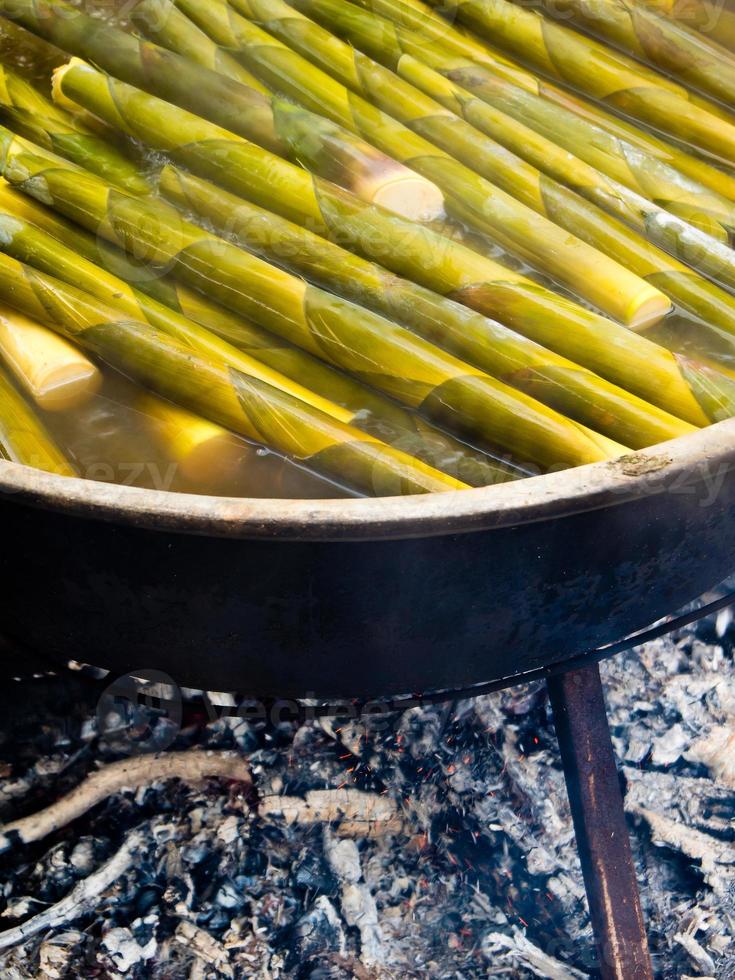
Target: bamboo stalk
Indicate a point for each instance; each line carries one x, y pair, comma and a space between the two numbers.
599, 73
160, 20
374, 413
641, 169
170, 305
645, 75
354, 164
25, 110
444, 148
203, 451
375, 350
282, 127
248, 404
639, 30
619, 136
142, 279
27, 53
42, 248
708, 17
524, 172
24, 438
357, 27
407, 249
618, 158
48, 368
504, 354
28, 244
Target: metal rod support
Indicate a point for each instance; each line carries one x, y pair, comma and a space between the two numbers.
599, 824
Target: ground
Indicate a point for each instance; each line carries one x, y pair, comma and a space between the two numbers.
432, 842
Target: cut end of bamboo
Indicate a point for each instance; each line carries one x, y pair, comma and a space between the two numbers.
68, 387
213, 460
57, 77
204, 452
650, 309
405, 193
56, 375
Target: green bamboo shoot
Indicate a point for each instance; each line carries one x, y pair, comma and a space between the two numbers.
377, 351
502, 353
637, 29
143, 279
373, 412
161, 21
24, 438
248, 404
639, 169
600, 73
614, 135
34, 234
440, 145
413, 251
281, 126
522, 173
25, 110
354, 164
203, 451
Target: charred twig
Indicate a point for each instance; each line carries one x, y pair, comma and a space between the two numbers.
358, 904
716, 858
356, 814
527, 954
696, 952
126, 774
83, 897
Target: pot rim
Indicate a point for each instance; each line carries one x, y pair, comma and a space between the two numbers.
694, 464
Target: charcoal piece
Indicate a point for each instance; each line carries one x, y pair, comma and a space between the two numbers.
316, 933
312, 873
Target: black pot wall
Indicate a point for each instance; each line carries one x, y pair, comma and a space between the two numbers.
360, 618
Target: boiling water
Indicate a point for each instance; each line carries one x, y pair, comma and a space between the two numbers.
110, 438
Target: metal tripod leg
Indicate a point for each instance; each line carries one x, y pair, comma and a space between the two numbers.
599, 824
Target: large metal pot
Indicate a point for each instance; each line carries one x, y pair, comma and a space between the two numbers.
364, 597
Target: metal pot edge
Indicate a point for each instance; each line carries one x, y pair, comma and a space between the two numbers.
680, 466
